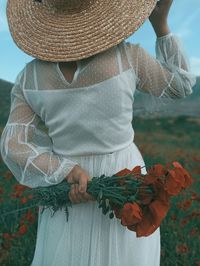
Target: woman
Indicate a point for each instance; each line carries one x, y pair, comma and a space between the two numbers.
88, 112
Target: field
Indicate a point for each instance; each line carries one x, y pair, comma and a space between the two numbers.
160, 140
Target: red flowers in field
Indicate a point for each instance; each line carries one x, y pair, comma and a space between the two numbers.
183, 248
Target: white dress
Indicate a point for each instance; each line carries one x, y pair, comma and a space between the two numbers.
89, 122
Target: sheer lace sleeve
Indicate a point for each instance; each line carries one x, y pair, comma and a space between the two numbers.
27, 150
166, 77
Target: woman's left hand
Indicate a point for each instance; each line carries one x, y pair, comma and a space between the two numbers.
159, 17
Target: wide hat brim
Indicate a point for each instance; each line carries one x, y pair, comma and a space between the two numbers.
63, 34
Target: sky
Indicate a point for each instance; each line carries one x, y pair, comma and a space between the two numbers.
183, 21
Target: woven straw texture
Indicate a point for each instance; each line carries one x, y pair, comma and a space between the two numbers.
69, 30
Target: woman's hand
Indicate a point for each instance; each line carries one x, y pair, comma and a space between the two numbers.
78, 192
159, 16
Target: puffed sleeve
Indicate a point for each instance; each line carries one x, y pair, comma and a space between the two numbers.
166, 77
26, 149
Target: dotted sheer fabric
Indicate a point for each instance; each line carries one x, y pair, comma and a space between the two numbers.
30, 153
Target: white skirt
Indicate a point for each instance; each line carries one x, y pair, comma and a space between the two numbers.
90, 238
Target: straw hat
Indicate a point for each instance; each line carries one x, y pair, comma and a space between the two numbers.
69, 30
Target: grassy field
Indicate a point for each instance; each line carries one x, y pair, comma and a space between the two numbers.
160, 141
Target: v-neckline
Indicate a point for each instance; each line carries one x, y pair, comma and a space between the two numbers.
75, 73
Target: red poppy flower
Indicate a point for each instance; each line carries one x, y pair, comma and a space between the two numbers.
187, 178
7, 236
131, 214
123, 172
153, 215
136, 170
144, 196
182, 248
173, 184
157, 170
22, 229
23, 200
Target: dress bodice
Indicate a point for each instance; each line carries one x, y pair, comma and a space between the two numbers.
93, 119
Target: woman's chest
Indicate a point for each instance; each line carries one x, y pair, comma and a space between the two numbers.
110, 99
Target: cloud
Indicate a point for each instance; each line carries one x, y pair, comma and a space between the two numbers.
195, 65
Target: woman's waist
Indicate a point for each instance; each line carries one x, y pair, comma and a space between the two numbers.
91, 149
110, 163
82, 143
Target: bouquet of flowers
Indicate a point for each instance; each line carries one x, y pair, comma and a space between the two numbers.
140, 201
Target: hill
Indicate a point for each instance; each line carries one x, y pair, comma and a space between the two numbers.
5, 88
189, 106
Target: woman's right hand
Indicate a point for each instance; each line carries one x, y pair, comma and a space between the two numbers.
78, 192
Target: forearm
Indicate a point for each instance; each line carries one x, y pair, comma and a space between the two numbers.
159, 17
161, 29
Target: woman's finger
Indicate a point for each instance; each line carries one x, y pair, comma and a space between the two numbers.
72, 194
79, 195
83, 183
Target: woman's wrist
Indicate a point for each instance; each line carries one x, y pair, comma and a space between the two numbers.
161, 29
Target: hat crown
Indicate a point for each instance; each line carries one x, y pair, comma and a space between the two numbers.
67, 5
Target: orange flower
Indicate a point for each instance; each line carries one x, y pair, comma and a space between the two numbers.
195, 196
150, 179
173, 183
184, 222
136, 170
182, 248
30, 217
17, 194
157, 170
159, 192
144, 196
187, 204
7, 236
8, 175
19, 187
185, 176
131, 214
194, 231
30, 196
123, 172
146, 226
23, 200
153, 215
22, 229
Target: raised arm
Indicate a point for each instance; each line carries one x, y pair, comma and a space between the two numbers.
168, 75
27, 150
